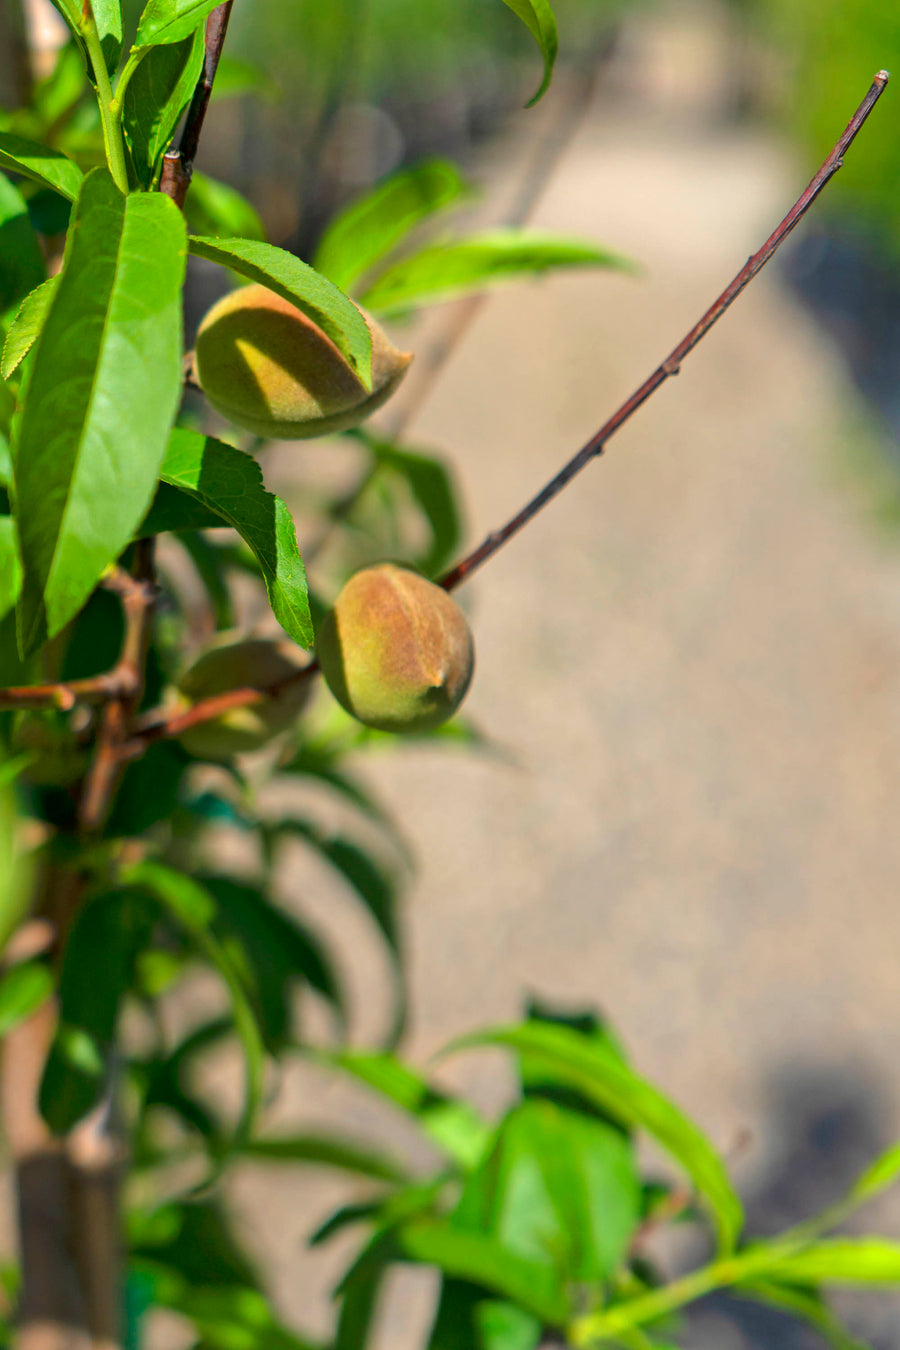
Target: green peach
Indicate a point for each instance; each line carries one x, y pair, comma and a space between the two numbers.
396, 650
258, 663
267, 367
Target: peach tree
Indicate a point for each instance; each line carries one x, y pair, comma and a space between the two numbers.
127, 708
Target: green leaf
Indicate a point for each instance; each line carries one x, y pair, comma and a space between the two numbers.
375, 224
444, 271
431, 484
484, 1262
50, 168
10, 565
21, 263
166, 21
360, 1289
324, 1152
557, 1187
540, 21
277, 951
877, 1177
193, 908
865, 1260
155, 98
314, 295
582, 1063
229, 483
97, 968
214, 208
22, 991
807, 1304
103, 386
175, 511
466, 1320
449, 1122
26, 326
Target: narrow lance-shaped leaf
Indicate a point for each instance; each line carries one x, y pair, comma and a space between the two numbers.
171, 20
26, 326
155, 98
315, 295
575, 1061
444, 271
50, 168
804, 1303
102, 390
540, 21
375, 224
21, 262
229, 483
193, 908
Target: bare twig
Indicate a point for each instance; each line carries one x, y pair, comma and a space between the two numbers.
672, 364
178, 165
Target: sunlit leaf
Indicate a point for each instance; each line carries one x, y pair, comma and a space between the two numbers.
25, 327
369, 228
864, 1260
317, 297
10, 565
171, 20
21, 262
444, 271
49, 167
214, 208
22, 991
155, 98
100, 394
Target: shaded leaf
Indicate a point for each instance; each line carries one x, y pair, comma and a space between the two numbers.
21, 262
25, 327
99, 397
108, 18
229, 483
539, 19
576, 1061
370, 227
431, 485
317, 297
443, 271
324, 1152
51, 168
155, 98
807, 1304
175, 510
481, 1260
466, 1320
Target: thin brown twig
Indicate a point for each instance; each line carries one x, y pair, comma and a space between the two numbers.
178, 165
672, 364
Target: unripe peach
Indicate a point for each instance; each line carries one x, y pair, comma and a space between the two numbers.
258, 663
396, 650
268, 368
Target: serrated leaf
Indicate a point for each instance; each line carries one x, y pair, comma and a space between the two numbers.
155, 98
25, 327
540, 21
864, 1260
22, 991
103, 387
317, 297
481, 1260
229, 483
373, 225
164, 21
214, 208
174, 510
445, 271
10, 565
599, 1075
50, 168
21, 262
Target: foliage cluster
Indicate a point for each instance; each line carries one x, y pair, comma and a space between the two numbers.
536, 1223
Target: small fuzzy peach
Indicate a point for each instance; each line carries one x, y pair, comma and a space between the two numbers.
396, 650
267, 367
